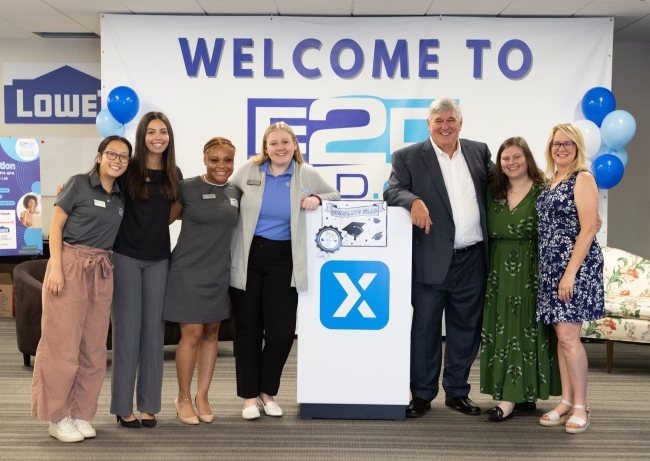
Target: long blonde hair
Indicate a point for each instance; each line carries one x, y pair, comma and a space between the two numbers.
263, 156
579, 162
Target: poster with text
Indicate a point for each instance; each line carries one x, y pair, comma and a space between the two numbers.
21, 218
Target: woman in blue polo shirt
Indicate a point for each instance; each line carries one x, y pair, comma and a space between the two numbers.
78, 289
269, 263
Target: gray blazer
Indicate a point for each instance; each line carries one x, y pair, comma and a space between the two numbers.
416, 174
305, 182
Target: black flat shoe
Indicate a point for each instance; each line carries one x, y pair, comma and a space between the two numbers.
463, 404
524, 407
149, 422
495, 414
135, 424
417, 408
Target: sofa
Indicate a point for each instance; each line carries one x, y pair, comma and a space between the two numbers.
627, 302
28, 285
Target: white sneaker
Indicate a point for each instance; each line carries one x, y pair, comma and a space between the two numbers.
65, 431
84, 427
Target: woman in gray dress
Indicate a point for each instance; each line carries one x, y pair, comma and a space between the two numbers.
199, 274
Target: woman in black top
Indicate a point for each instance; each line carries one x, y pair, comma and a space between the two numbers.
141, 259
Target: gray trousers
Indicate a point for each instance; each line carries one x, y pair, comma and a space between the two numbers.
138, 333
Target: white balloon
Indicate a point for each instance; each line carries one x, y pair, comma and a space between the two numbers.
591, 135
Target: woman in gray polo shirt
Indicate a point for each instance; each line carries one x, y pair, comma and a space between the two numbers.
78, 289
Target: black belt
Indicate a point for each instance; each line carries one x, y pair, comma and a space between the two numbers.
460, 251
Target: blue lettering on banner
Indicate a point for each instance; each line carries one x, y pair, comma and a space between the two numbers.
201, 54
65, 95
527, 62
478, 46
335, 57
337, 119
299, 51
525, 65
354, 295
427, 57
269, 71
400, 56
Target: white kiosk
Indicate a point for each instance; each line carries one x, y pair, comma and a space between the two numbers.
354, 322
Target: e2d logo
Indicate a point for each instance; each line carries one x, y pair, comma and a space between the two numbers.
354, 295
346, 130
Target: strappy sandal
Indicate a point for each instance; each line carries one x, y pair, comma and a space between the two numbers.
582, 424
554, 418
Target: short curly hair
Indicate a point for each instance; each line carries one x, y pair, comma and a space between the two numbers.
28, 198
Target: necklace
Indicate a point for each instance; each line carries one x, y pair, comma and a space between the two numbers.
205, 179
525, 188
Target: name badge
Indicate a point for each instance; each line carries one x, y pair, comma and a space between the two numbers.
100, 203
253, 182
234, 202
209, 196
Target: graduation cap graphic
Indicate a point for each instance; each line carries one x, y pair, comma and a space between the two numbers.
354, 229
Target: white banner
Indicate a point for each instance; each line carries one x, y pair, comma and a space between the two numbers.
354, 89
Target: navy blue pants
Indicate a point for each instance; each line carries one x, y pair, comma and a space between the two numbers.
460, 297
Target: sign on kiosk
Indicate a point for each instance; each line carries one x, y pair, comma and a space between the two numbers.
354, 321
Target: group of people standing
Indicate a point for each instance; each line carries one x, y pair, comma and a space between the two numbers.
510, 255
482, 234
110, 252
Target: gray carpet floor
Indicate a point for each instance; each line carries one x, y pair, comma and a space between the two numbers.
619, 426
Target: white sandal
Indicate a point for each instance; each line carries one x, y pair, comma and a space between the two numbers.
554, 418
582, 424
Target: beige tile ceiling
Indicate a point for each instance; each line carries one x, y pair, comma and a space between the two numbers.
25, 18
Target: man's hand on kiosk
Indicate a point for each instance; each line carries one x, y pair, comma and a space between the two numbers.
420, 215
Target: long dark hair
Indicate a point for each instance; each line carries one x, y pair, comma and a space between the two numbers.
102, 147
500, 181
138, 173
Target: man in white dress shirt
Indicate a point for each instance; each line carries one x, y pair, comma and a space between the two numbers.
443, 183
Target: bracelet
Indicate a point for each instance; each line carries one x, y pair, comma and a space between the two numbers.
320, 202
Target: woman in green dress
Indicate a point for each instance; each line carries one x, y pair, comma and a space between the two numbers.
518, 355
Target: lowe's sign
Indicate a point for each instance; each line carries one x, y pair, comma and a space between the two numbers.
63, 95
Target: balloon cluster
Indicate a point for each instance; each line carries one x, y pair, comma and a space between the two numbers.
606, 131
123, 105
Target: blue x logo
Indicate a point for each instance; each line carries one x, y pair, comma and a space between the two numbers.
354, 295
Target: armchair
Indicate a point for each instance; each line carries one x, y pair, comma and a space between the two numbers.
627, 302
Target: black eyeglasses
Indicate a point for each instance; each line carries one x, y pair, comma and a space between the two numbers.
113, 155
566, 144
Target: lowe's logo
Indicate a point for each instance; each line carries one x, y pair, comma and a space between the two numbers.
346, 130
354, 295
65, 95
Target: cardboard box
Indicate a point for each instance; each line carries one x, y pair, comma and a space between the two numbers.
6, 296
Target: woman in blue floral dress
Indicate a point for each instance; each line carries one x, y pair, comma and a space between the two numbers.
570, 267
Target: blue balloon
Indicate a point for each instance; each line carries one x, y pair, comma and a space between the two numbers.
597, 103
123, 104
608, 170
107, 125
618, 129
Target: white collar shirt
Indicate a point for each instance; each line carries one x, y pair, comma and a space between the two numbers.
462, 197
